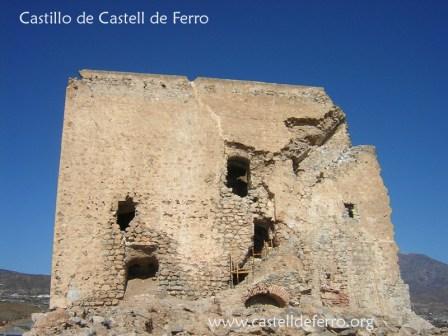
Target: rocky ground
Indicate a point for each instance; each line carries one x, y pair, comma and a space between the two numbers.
193, 321
160, 314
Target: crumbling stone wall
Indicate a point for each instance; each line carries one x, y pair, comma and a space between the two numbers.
165, 143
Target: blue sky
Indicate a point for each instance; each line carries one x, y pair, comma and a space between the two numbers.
384, 62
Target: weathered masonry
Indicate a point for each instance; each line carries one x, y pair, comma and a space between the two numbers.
212, 184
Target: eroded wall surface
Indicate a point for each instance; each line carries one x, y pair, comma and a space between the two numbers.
164, 142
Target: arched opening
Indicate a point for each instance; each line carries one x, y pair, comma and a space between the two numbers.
125, 213
263, 236
142, 268
238, 175
264, 299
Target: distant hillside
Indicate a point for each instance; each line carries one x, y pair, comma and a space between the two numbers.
24, 288
428, 284
21, 295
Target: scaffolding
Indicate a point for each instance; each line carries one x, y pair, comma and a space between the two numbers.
237, 272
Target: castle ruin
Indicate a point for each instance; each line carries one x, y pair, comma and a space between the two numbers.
198, 188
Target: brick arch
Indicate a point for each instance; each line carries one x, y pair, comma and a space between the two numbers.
273, 292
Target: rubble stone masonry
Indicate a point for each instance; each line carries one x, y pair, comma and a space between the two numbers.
169, 178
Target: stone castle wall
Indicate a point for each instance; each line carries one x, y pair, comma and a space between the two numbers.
164, 143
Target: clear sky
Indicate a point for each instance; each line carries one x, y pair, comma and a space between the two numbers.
384, 62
